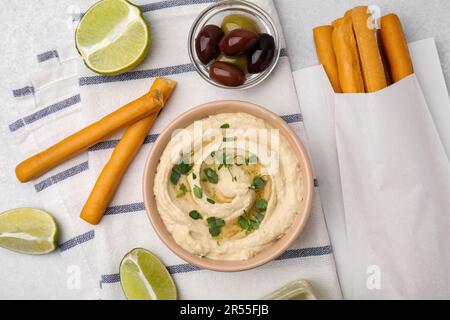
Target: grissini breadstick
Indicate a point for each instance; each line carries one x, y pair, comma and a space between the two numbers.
42, 162
384, 59
344, 45
325, 52
348, 14
123, 154
395, 47
366, 38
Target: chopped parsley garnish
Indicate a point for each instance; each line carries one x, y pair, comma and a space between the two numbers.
215, 225
178, 170
225, 161
259, 216
261, 205
227, 139
253, 222
252, 159
198, 192
194, 214
225, 126
248, 224
181, 191
185, 168
243, 222
225, 158
211, 175
194, 176
258, 183
175, 175
210, 200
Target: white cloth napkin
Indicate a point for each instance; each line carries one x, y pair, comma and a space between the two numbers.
48, 109
125, 224
385, 179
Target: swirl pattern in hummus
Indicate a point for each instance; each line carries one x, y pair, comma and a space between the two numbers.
229, 200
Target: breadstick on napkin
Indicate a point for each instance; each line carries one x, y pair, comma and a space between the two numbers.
395, 47
69, 147
347, 57
348, 14
109, 179
366, 38
325, 52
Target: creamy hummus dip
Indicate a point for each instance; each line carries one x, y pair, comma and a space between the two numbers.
228, 186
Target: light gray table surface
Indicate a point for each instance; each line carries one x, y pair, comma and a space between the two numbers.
31, 26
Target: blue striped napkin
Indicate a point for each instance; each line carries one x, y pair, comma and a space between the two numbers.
49, 108
90, 96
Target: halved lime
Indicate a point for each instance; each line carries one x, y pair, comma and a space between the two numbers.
112, 37
28, 230
144, 277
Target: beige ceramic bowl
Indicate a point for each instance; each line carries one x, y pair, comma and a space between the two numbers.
198, 113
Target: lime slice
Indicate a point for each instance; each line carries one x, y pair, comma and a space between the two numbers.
144, 277
112, 37
28, 230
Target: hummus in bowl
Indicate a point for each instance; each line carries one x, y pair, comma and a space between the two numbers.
231, 187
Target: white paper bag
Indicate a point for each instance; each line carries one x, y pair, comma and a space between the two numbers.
395, 180
410, 265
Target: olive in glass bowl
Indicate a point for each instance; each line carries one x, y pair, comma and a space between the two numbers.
234, 44
207, 43
238, 41
261, 54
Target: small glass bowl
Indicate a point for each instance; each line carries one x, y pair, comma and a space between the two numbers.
214, 14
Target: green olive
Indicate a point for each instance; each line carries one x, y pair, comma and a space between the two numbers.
239, 61
239, 21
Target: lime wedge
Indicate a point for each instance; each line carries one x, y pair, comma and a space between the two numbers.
112, 37
28, 230
144, 277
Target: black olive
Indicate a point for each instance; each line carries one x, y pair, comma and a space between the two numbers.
237, 41
261, 55
226, 74
207, 43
